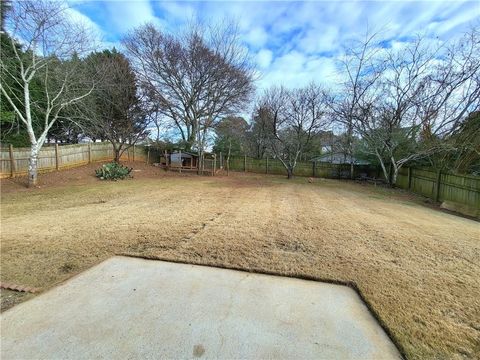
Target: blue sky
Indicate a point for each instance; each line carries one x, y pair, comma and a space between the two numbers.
292, 43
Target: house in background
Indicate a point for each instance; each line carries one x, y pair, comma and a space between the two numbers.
339, 158
326, 148
327, 141
337, 164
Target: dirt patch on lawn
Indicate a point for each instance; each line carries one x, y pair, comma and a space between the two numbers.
81, 175
418, 268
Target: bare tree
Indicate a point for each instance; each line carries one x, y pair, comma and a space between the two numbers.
362, 72
385, 115
48, 40
424, 93
197, 77
294, 117
156, 119
452, 90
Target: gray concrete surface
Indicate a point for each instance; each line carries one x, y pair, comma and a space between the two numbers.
133, 308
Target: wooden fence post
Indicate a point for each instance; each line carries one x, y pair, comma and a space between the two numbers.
266, 166
13, 164
57, 157
314, 168
166, 159
180, 162
409, 177
437, 185
89, 153
245, 163
214, 164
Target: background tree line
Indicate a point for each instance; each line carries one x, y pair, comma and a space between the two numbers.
418, 104
413, 104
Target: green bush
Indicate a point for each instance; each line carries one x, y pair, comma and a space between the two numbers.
113, 171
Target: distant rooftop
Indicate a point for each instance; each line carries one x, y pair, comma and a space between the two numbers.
339, 158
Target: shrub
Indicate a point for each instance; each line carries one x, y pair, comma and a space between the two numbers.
113, 171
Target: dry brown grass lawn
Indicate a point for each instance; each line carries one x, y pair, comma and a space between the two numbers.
417, 267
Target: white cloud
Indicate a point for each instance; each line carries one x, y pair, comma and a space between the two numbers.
78, 17
126, 15
449, 24
264, 58
294, 43
97, 33
180, 10
175, 14
295, 69
256, 37
320, 38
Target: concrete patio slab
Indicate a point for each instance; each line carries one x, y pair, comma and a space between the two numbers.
134, 308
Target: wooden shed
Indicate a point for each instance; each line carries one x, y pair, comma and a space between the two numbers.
180, 159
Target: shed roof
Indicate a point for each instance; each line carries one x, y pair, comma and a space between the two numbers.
185, 155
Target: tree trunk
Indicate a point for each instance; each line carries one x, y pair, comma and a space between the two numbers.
394, 173
191, 141
350, 148
385, 172
200, 163
394, 177
289, 173
33, 166
116, 154
390, 174
382, 164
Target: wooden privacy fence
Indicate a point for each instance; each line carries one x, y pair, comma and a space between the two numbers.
14, 161
303, 168
439, 186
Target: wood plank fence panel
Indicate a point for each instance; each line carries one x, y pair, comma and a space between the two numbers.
423, 182
68, 156
462, 189
303, 168
456, 188
402, 178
